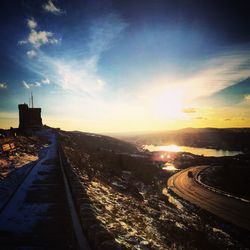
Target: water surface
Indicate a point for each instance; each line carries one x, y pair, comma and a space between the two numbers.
192, 150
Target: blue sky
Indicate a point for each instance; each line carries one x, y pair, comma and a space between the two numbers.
109, 66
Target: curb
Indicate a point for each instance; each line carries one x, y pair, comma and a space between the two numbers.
98, 236
216, 190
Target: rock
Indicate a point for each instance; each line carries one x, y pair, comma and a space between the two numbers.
135, 193
99, 206
133, 240
144, 242
154, 203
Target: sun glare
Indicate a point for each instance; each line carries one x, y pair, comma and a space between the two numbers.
170, 104
170, 148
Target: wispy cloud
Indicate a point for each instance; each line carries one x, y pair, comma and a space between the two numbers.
209, 77
218, 73
104, 30
165, 97
247, 99
31, 85
22, 42
52, 8
45, 81
31, 53
82, 77
36, 84
3, 85
189, 110
200, 118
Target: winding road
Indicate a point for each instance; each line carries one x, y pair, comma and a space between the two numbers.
232, 210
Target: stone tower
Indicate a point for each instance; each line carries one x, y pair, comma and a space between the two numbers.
29, 117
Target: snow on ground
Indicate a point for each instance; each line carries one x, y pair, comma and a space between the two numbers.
9, 184
37, 215
152, 224
145, 221
172, 200
13, 162
15, 167
16, 217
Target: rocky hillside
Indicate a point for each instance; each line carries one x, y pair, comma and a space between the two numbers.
120, 191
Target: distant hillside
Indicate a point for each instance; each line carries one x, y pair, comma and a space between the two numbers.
92, 142
106, 157
217, 138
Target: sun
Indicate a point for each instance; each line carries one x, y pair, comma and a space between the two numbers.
170, 104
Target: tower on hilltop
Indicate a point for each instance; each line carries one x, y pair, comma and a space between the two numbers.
29, 117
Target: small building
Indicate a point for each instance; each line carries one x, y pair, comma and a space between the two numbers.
29, 118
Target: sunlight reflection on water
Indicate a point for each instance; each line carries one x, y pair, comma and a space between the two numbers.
169, 167
192, 150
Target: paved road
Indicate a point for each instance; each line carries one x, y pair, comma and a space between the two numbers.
229, 209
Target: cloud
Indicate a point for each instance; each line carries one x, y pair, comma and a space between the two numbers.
22, 42
31, 53
236, 118
104, 30
189, 110
79, 75
247, 98
31, 85
82, 76
200, 118
217, 73
40, 38
36, 84
32, 24
100, 83
191, 89
79, 79
37, 38
51, 8
3, 85
45, 81
26, 85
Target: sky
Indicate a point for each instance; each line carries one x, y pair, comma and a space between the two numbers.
126, 65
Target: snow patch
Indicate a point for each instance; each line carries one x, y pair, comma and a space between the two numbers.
172, 200
217, 230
